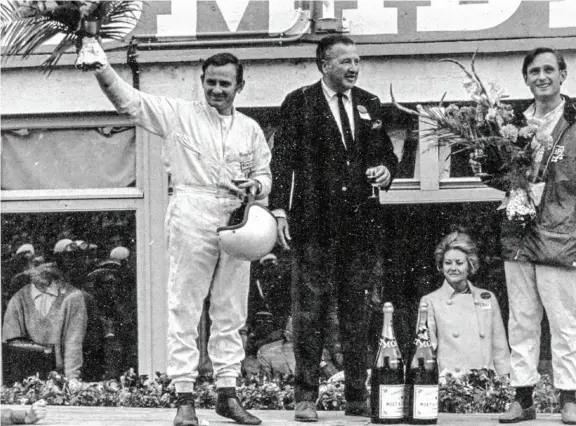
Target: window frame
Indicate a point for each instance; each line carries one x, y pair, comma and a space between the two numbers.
148, 200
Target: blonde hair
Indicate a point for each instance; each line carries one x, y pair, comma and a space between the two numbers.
461, 241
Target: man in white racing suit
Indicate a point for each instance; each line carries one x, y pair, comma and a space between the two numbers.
207, 145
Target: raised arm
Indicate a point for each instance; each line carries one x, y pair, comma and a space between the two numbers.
155, 114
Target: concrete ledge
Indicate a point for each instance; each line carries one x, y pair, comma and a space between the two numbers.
121, 416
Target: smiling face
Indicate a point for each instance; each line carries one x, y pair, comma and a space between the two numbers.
544, 77
455, 268
341, 67
220, 87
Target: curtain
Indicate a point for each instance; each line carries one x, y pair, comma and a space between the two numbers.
68, 158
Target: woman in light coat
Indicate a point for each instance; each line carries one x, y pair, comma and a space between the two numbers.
465, 323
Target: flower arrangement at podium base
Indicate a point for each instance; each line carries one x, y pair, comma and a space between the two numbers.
489, 129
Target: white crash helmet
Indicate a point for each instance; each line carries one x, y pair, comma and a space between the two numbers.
251, 231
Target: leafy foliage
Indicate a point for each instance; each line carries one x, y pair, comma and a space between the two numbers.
477, 392
482, 391
26, 25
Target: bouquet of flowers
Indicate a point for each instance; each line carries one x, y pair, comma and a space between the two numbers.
488, 125
26, 25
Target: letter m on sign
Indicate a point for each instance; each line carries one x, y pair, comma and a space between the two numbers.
232, 15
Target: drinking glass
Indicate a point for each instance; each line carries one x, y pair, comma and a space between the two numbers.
372, 181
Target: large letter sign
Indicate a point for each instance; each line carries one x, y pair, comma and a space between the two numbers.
563, 14
181, 21
371, 17
450, 15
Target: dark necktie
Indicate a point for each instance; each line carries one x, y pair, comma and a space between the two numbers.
346, 129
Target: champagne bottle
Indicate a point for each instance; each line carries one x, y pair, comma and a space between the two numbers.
422, 376
387, 384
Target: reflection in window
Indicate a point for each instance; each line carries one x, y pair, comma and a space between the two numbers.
454, 164
93, 252
68, 158
403, 131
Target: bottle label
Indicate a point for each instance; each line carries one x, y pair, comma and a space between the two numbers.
425, 402
391, 402
423, 343
388, 343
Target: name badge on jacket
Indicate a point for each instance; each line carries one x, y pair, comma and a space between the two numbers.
246, 161
363, 112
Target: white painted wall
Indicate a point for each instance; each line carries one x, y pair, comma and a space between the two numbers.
415, 79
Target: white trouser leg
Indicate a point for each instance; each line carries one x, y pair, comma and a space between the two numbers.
191, 224
524, 324
228, 311
557, 288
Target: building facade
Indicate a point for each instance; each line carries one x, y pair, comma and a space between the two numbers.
69, 159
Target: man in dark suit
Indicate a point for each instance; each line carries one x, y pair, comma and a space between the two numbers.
331, 139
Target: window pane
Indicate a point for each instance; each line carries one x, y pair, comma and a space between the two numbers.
403, 131
94, 252
68, 158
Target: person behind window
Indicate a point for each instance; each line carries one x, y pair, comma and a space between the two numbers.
465, 323
15, 272
105, 284
115, 292
277, 358
50, 311
70, 262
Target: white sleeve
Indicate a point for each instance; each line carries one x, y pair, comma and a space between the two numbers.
156, 114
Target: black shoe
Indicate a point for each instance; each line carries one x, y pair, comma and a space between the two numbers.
230, 407
305, 411
357, 408
186, 416
517, 414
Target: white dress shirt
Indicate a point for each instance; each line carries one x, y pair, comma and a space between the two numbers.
43, 299
332, 99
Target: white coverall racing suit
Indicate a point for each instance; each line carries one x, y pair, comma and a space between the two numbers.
202, 151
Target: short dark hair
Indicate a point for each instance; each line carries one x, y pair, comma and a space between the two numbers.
221, 59
326, 43
530, 56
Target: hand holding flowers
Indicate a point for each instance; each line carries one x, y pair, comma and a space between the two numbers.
27, 25
496, 137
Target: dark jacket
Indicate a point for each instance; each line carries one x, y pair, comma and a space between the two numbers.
315, 178
551, 238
